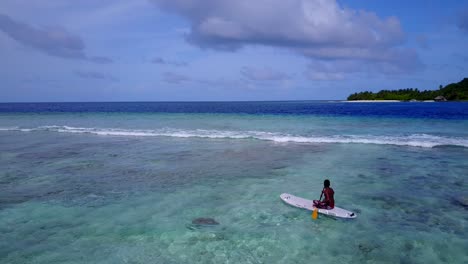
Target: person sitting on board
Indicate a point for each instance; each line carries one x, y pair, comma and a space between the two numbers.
328, 201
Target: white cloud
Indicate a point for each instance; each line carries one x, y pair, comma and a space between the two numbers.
162, 61
324, 76
175, 78
95, 75
313, 28
284, 22
463, 20
54, 41
263, 74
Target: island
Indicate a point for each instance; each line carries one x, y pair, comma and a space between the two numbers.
452, 92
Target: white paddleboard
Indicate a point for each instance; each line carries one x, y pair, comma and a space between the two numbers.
309, 205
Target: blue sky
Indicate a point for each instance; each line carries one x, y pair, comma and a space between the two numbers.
203, 50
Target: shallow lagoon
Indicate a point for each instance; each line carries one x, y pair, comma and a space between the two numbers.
82, 197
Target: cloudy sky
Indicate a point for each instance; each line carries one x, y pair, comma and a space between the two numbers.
192, 50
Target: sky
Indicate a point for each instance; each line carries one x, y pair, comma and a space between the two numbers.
224, 50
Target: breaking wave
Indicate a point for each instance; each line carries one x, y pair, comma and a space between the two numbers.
415, 140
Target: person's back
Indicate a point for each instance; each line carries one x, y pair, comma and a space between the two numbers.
328, 201
329, 197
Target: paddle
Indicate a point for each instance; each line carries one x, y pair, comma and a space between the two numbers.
315, 212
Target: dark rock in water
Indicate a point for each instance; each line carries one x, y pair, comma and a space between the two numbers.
367, 247
408, 246
201, 223
461, 201
279, 167
204, 221
459, 183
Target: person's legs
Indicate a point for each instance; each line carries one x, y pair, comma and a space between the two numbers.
319, 204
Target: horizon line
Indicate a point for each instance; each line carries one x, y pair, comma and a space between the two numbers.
175, 101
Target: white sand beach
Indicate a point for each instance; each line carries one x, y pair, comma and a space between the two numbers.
373, 101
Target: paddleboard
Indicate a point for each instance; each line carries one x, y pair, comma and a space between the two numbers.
309, 205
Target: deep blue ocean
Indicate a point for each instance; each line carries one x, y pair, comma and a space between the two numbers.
199, 182
446, 110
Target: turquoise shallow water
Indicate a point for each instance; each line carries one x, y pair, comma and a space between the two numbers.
125, 188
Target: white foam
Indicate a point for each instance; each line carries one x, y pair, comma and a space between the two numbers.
415, 140
8, 128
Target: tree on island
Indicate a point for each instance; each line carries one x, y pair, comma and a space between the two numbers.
452, 92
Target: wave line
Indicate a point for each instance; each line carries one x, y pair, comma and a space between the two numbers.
414, 140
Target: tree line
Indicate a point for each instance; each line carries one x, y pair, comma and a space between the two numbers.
452, 92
